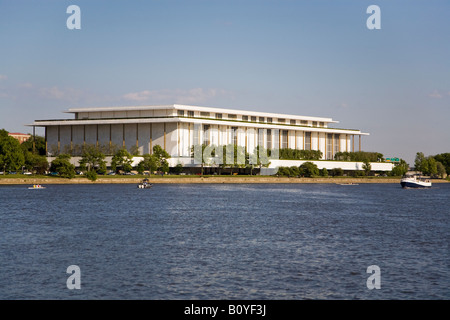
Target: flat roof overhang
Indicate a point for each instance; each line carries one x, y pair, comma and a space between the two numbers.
202, 109
48, 123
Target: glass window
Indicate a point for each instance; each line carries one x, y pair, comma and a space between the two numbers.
180, 113
261, 138
261, 119
269, 120
269, 138
281, 120
314, 123
336, 144
284, 139
234, 137
218, 116
253, 119
232, 116
206, 136
329, 146
244, 118
304, 123
307, 140
293, 122
190, 113
204, 114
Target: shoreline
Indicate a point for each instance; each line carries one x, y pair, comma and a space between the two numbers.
208, 179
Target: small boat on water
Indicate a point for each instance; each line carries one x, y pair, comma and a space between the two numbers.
412, 181
145, 184
36, 186
349, 184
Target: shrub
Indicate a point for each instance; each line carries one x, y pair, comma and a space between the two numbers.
283, 171
359, 156
91, 175
294, 171
309, 169
294, 154
337, 172
63, 166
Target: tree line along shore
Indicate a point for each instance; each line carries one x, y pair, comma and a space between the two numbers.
167, 179
30, 157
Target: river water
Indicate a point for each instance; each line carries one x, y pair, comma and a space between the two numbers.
225, 241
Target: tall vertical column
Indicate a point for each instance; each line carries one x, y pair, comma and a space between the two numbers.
46, 146
332, 146
137, 136
164, 136
178, 139
123, 135
59, 139
245, 139
151, 142
34, 139
71, 139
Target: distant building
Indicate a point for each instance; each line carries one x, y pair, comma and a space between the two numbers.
178, 128
22, 137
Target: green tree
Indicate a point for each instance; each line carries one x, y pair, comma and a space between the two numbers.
11, 154
35, 145
148, 163
178, 168
444, 158
161, 158
400, 168
366, 167
308, 169
62, 165
92, 159
324, 172
35, 162
421, 163
440, 169
432, 166
123, 160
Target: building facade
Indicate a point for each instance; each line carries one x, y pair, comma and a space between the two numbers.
177, 128
22, 137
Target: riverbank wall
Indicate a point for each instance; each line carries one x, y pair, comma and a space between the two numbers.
173, 179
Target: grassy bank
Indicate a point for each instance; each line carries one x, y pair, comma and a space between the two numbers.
30, 180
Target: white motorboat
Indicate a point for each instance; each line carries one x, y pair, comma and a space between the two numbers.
415, 182
36, 187
145, 184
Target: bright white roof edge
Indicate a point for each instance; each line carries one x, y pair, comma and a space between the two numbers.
44, 123
204, 109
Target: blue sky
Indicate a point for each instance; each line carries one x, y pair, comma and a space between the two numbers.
313, 58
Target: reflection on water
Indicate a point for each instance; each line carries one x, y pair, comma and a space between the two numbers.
224, 241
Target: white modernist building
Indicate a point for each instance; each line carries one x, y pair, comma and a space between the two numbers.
177, 128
